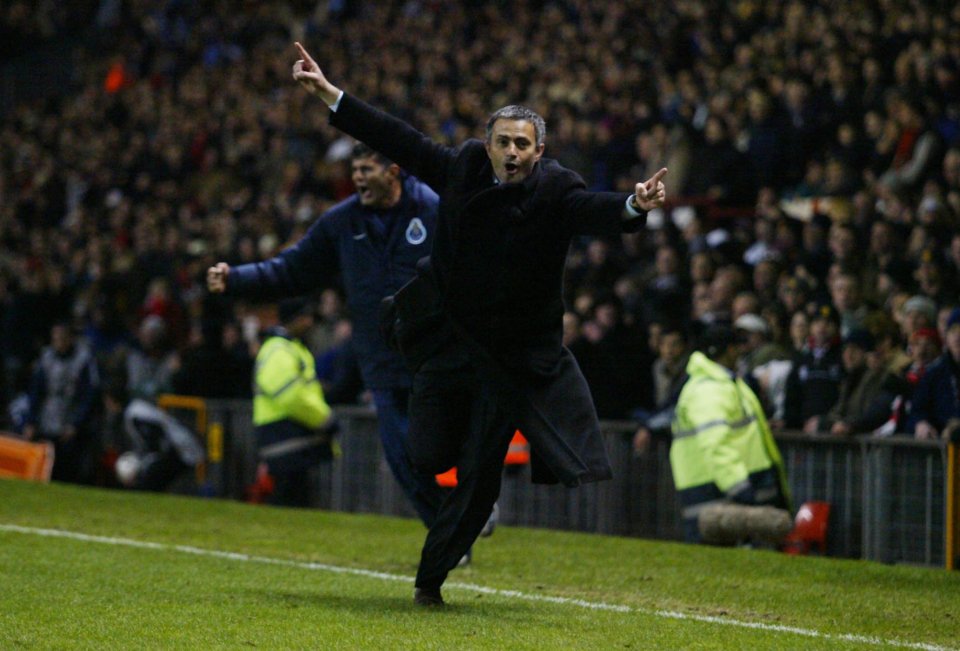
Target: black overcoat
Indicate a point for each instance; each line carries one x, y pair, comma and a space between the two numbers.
498, 260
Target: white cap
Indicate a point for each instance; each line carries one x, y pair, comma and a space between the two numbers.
751, 323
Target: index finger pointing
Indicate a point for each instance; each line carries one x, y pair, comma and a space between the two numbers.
659, 175
303, 53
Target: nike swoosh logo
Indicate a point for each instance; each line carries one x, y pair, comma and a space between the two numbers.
360, 236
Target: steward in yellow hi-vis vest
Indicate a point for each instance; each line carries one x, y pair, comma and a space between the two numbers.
293, 423
722, 450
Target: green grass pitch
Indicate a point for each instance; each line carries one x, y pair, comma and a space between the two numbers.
83, 568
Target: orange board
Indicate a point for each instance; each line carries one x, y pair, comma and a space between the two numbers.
25, 460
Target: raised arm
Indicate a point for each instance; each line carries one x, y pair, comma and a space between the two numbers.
308, 73
392, 137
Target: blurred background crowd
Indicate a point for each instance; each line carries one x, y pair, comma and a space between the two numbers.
814, 186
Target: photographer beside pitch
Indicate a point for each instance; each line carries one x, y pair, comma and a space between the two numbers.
481, 324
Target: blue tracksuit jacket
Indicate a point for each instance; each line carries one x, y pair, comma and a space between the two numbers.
375, 252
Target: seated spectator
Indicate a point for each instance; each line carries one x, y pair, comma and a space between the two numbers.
924, 348
668, 373
209, 370
814, 383
846, 296
613, 350
867, 392
799, 332
917, 312
935, 400
756, 347
916, 148
745, 302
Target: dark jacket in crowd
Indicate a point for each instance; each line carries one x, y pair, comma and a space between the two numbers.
355, 241
813, 386
866, 400
936, 398
498, 264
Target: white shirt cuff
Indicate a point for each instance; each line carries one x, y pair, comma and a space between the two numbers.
336, 105
633, 212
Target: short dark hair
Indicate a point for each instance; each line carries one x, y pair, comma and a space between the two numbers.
716, 338
360, 150
516, 112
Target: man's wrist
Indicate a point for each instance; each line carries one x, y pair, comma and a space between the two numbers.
632, 208
335, 104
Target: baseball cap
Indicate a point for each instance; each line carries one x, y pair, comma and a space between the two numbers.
922, 304
751, 323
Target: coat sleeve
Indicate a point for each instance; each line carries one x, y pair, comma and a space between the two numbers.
921, 404
299, 269
592, 213
413, 151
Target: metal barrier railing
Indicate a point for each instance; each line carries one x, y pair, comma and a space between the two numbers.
890, 497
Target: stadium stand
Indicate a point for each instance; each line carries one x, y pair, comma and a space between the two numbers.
140, 142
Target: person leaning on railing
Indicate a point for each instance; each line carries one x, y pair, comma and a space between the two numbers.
935, 408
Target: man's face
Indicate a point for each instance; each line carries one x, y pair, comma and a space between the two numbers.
513, 150
377, 184
671, 348
854, 357
61, 339
923, 350
300, 325
823, 331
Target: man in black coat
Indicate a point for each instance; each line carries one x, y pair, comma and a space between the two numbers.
481, 324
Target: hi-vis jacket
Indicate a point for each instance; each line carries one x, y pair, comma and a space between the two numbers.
290, 416
722, 445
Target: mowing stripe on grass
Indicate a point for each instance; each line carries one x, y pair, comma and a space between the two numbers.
507, 594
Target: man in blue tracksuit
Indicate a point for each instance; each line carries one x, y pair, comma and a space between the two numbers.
374, 240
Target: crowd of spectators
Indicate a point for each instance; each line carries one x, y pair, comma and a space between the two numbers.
813, 148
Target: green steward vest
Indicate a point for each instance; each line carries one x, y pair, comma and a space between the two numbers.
286, 385
720, 433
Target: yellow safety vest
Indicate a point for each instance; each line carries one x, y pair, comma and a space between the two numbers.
286, 385
720, 433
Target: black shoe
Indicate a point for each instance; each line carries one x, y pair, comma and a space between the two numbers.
427, 597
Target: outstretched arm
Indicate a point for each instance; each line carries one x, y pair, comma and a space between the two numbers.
390, 136
299, 269
308, 74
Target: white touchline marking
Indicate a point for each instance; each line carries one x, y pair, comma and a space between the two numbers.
509, 594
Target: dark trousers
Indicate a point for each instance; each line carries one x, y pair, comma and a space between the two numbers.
420, 488
459, 418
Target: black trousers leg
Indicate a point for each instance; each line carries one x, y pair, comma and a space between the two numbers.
479, 473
